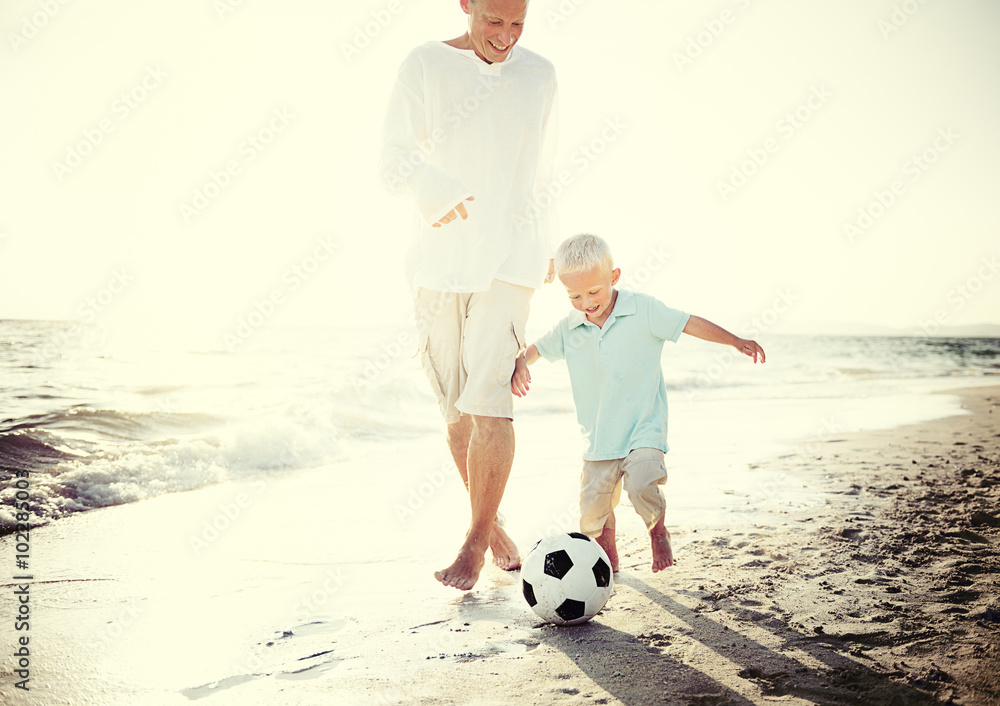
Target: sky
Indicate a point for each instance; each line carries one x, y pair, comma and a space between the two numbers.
772, 165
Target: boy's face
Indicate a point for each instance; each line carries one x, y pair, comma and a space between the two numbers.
592, 291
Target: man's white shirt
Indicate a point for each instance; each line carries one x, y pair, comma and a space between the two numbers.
459, 127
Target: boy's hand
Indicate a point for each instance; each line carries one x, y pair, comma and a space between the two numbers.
750, 348
521, 377
551, 274
707, 331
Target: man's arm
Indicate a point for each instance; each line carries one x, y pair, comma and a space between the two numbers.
550, 276
547, 169
707, 331
519, 381
440, 197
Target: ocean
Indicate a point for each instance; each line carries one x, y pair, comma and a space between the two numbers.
102, 417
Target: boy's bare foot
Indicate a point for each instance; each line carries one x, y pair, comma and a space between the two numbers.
607, 542
503, 548
464, 571
659, 539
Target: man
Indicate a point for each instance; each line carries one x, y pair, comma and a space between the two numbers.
470, 136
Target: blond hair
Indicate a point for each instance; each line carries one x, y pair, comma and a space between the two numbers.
582, 252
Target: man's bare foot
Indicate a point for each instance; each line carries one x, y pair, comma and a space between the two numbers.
503, 548
659, 539
464, 571
607, 542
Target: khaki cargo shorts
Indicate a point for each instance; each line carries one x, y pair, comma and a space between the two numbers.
641, 473
467, 345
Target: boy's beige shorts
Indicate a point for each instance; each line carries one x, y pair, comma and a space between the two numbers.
467, 345
641, 473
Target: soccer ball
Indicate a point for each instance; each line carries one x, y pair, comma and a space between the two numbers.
566, 578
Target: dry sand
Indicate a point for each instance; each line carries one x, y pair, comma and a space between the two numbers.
864, 571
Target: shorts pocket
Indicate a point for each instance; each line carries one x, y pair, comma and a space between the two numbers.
509, 352
437, 385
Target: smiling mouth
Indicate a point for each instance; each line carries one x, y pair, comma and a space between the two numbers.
498, 50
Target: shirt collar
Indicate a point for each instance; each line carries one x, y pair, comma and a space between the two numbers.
624, 306
494, 69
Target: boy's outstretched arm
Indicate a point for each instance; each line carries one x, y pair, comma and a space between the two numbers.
521, 377
707, 331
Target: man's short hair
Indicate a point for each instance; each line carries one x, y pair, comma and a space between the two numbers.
473, 2
581, 252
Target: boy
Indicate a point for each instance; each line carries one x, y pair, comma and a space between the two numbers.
612, 346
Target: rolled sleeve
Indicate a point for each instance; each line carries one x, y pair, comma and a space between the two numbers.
403, 167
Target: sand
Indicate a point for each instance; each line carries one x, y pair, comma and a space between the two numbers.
864, 569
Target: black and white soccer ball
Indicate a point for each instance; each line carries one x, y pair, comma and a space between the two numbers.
566, 578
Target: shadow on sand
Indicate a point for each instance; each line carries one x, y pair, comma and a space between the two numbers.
684, 663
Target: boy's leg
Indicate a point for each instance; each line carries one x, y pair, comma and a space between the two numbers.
659, 542
600, 490
645, 472
607, 538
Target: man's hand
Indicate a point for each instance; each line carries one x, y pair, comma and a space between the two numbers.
552, 272
459, 210
750, 348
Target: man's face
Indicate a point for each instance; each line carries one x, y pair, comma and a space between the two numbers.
495, 26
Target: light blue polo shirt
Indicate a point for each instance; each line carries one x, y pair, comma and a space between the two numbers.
621, 401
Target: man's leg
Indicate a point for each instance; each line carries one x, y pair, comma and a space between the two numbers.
490, 457
492, 331
505, 554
